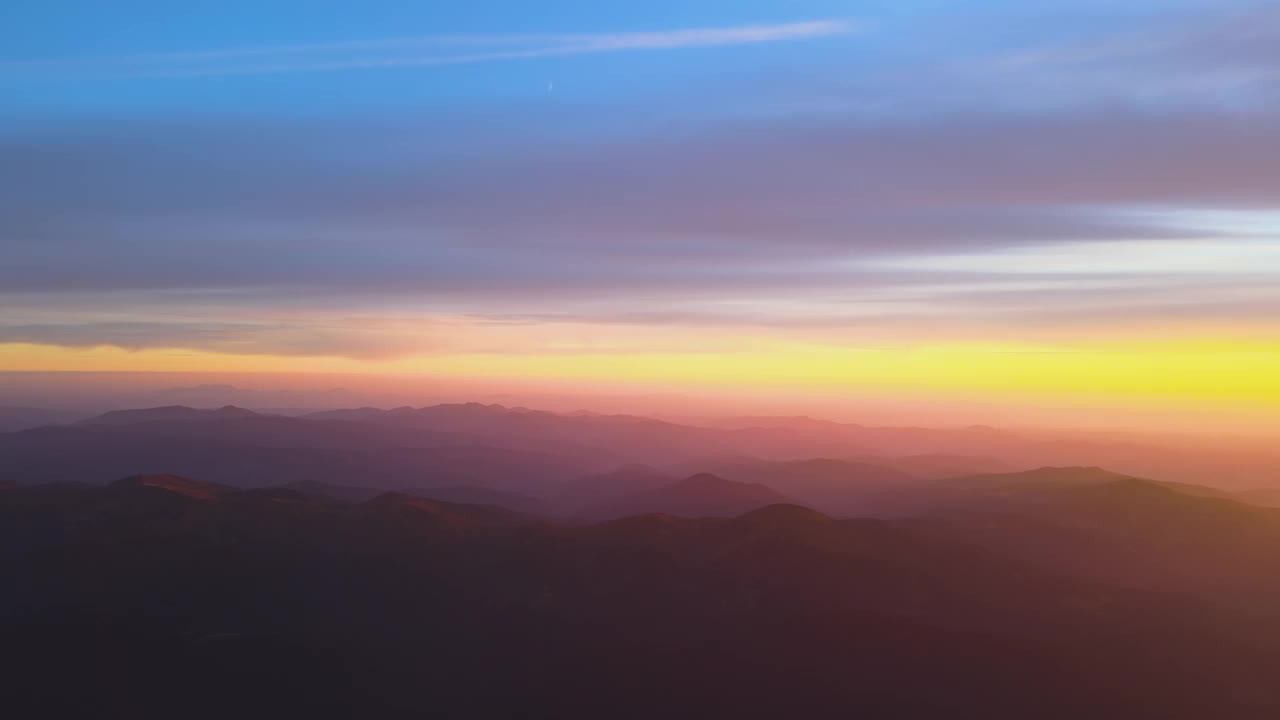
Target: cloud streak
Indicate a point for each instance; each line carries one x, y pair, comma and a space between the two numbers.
423, 51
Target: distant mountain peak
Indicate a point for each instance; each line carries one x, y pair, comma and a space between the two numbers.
700, 495
169, 413
1128, 488
444, 514
781, 422
706, 480
176, 484
398, 499
783, 515
1066, 475
1079, 471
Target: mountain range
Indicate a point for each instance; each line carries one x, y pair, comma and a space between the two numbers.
483, 561
158, 595
558, 465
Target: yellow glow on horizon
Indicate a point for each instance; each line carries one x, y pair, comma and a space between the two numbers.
1188, 370
25, 357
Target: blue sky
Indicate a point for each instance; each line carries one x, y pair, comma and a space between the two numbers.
860, 171
136, 57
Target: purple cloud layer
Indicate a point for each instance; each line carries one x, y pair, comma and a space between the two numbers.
507, 215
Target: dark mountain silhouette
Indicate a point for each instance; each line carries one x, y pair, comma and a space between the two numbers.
792, 422
161, 596
263, 451
462, 494
1045, 478
627, 438
972, 449
600, 442
1172, 459
784, 518
1264, 497
1192, 459
580, 494
530, 460
1136, 532
168, 414
476, 495
839, 487
344, 493
13, 419
939, 465
1034, 486
434, 515
701, 495
232, 424
174, 484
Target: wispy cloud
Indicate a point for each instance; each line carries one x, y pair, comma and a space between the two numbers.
421, 51
1232, 56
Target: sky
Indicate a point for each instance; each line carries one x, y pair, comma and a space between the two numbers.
1024, 204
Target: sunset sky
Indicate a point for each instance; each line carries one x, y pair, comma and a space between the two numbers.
1031, 204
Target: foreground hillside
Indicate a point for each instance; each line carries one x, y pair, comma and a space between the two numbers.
161, 596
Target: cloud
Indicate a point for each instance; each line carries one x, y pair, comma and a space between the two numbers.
1051, 309
915, 228
423, 51
311, 337
1220, 257
999, 211
1230, 57
243, 203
